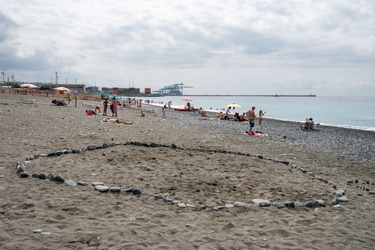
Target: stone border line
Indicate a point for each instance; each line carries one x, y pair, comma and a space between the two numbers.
339, 192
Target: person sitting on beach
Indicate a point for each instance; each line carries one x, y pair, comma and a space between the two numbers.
142, 114
221, 116
308, 125
236, 117
242, 117
112, 120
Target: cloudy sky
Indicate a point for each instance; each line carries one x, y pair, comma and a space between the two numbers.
324, 47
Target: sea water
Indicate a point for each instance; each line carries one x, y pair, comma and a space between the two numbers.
349, 112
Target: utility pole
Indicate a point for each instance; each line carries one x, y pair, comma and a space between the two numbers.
3, 73
57, 78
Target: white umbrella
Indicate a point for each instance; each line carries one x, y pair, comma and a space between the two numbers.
28, 86
61, 89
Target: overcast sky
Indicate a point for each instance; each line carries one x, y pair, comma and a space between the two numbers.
324, 47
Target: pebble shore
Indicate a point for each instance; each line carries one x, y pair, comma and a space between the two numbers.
345, 142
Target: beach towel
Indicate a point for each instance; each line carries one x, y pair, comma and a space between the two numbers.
257, 134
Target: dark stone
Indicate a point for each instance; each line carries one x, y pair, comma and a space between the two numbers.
82, 183
208, 208
290, 204
159, 196
59, 178
153, 145
285, 162
99, 147
35, 175
260, 156
173, 146
105, 145
91, 147
42, 176
24, 174
129, 190
136, 191
309, 204
76, 151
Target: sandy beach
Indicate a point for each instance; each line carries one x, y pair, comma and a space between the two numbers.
200, 179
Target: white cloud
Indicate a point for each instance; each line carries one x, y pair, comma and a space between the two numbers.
283, 46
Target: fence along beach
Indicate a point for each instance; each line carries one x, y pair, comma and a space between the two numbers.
212, 163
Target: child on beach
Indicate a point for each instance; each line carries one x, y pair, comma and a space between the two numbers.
261, 114
142, 114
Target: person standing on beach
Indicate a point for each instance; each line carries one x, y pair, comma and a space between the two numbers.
163, 113
114, 106
251, 118
105, 106
260, 117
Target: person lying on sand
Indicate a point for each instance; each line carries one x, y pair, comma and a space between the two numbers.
112, 120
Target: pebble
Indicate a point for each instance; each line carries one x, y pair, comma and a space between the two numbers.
115, 189
261, 202
82, 183
343, 199
59, 178
136, 191
70, 183
229, 205
38, 231
97, 183
278, 205
239, 204
371, 192
181, 205
42, 176
337, 206
102, 188
50, 176
24, 174
45, 233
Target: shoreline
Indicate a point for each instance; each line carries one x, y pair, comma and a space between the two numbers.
338, 140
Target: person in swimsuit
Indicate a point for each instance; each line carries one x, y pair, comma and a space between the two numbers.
105, 106
112, 120
251, 118
260, 115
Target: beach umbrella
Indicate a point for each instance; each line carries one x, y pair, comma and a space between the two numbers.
61, 89
186, 99
234, 105
28, 86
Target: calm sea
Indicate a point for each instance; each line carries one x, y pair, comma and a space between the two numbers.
349, 112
